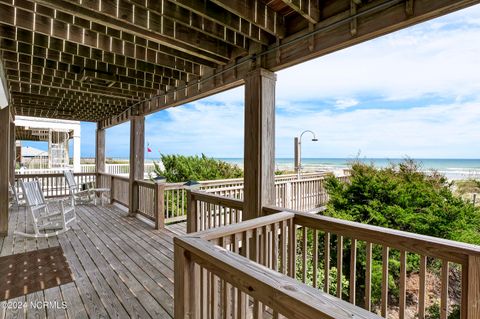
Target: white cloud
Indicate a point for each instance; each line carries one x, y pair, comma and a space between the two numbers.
438, 57
343, 104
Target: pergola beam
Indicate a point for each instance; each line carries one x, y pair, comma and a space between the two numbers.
52, 77
96, 47
213, 12
187, 19
51, 81
61, 70
308, 9
56, 92
139, 24
257, 13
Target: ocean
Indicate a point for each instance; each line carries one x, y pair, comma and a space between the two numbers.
453, 169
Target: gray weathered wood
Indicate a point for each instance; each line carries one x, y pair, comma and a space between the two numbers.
137, 149
100, 151
4, 168
259, 148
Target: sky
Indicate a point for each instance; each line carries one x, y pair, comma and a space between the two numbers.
412, 93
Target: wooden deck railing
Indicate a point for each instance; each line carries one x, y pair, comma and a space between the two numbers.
54, 185
167, 203
206, 211
239, 271
322, 253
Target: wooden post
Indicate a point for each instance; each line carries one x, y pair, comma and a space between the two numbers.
192, 218
183, 277
99, 155
4, 168
471, 287
100, 151
112, 180
259, 154
137, 145
12, 151
159, 204
288, 195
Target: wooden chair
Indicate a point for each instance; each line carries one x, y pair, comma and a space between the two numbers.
17, 199
45, 217
79, 195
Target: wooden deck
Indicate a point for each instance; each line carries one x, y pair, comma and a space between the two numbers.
121, 266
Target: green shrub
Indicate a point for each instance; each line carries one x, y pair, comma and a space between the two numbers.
179, 168
404, 198
401, 197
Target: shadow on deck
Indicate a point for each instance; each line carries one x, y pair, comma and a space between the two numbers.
121, 266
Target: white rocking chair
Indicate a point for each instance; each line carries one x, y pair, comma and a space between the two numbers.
42, 217
17, 199
79, 196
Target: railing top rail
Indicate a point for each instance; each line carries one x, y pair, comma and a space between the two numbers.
145, 183
217, 200
453, 251
123, 178
240, 180
292, 298
50, 175
231, 229
169, 186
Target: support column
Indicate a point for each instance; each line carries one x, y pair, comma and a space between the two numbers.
137, 151
76, 150
12, 151
49, 148
259, 154
100, 151
4, 168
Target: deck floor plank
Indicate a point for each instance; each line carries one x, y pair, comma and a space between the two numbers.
122, 267
135, 276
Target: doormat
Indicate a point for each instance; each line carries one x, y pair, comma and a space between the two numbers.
24, 273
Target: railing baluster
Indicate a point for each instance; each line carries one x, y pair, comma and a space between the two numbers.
315, 258
403, 284
353, 270
326, 283
304, 253
444, 293
339, 266
422, 287
292, 249
384, 301
368, 278
275, 247
283, 247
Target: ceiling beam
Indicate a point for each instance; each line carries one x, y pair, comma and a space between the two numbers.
135, 80
56, 82
309, 9
187, 19
257, 13
32, 88
102, 49
212, 12
164, 32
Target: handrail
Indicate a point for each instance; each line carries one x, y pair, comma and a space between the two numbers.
231, 229
206, 211
300, 244
217, 200
453, 251
281, 293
